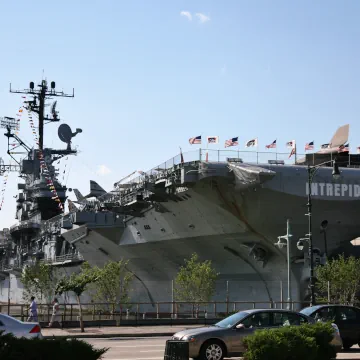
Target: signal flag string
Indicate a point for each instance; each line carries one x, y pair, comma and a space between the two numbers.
43, 164
6, 175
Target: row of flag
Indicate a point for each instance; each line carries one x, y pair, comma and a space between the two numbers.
254, 142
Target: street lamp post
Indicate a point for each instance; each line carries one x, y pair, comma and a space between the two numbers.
311, 172
281, 245
323, 227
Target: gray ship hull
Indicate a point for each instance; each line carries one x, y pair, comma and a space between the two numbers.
234, 224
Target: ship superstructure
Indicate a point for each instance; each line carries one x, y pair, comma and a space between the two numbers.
41, 197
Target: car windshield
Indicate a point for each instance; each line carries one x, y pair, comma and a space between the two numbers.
309, 310
231, 320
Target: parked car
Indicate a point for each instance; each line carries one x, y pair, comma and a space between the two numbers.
224, 339
19, 328
347, 318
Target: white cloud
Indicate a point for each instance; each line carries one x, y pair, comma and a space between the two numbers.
186, 14
103, 170
202, 18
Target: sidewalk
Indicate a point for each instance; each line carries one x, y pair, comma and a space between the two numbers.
116, 331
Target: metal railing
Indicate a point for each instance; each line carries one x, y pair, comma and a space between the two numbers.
255, 157
136, 313
215, 156
63, 258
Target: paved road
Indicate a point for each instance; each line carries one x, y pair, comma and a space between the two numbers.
133, 349
153, 349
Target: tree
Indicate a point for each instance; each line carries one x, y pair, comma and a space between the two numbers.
195, 282
342, 274
113, 283
39, 281
78, 283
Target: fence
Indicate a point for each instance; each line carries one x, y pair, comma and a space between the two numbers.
136, 312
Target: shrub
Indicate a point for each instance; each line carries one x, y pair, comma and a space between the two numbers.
310, 342
12, 348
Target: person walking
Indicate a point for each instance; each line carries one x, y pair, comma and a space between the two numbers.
33, 314
55, 318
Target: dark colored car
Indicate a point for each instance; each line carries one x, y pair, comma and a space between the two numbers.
347, 318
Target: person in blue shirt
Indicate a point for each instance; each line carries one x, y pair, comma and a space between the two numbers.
33, 314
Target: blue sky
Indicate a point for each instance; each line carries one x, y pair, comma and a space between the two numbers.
147, 78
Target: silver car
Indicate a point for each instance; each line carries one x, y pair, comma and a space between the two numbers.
19, 328
224, 339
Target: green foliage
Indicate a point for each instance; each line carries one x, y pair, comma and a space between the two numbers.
309, 341
343, 275
195, 281
39, 281
113, 283
12, 348
77, 283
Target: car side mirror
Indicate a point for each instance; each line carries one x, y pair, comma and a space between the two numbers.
240, 326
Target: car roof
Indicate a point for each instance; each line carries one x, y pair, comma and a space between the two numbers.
252, 311
7, 317
316, 307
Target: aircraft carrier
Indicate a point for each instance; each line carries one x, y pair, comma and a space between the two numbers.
227, 210
227, 206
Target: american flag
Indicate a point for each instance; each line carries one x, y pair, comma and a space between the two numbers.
293, 151
358, 149
232, 142
252, 142
272, 145
344, 148
195, 140
309, 146
325, 146
212, 139
290, 144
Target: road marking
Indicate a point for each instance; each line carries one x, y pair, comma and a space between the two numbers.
136, 346
147, 358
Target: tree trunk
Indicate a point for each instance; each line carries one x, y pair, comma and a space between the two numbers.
80, 315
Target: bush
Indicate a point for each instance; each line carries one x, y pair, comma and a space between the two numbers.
310, 342
12, 348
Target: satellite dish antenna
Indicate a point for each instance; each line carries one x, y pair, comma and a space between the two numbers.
65, 134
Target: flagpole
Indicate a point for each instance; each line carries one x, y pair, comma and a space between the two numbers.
238, 148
